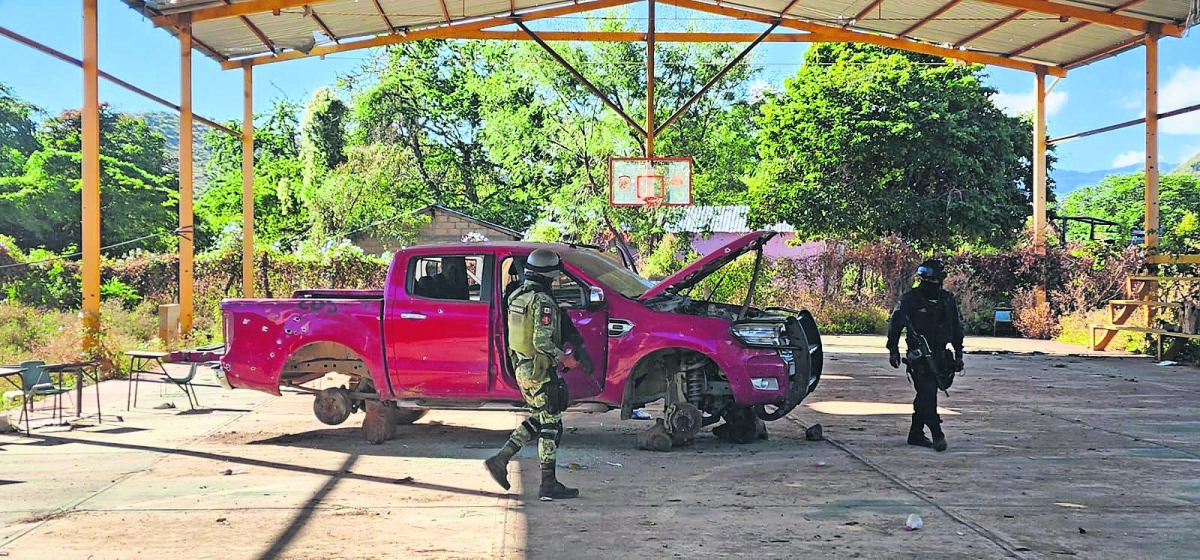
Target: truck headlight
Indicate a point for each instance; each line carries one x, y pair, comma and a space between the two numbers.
757, 334
765, 383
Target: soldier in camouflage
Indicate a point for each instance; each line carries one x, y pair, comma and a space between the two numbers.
535, 347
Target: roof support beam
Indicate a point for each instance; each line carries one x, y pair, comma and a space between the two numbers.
90, 185
232, 10
582, 80
1126, 124
387, 22
445, 11
788, 8
638, 37
324, 28
990, 28
1084, 14
441, 31
936, 13
864, 12
1152, 206
1125, 6
186, 176
836, 34
720, 75
1052, 37
111, 78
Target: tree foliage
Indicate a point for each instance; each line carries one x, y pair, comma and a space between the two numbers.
867, 142
1121, 198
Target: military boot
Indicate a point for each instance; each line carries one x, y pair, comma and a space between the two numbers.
551, 488
939, 442
497, 465
916, 434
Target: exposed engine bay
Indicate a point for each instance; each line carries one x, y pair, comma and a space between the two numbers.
671, 303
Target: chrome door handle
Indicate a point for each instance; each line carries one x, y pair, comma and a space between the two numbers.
417, 316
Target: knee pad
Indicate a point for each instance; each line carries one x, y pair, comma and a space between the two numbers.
552, 431
532, 426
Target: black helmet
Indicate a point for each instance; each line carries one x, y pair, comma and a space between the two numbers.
542, 262
932, 271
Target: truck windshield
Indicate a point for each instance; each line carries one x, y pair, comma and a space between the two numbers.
611, 274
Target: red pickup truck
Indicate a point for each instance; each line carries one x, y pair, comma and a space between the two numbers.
434, 338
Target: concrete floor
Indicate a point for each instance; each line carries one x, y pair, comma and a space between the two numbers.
1057, 454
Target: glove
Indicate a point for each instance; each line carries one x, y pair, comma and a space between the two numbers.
894, 358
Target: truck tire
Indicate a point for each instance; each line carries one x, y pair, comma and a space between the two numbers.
406, 416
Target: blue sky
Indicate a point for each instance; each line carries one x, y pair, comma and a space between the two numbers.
131, 48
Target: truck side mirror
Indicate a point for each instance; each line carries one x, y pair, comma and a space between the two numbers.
595, 296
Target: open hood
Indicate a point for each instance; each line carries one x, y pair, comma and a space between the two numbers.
699, 270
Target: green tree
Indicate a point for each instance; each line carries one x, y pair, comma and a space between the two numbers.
279, 214
1121, 198
18, 132
322, 137
868, 142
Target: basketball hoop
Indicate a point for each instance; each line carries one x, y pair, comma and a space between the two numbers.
650, 182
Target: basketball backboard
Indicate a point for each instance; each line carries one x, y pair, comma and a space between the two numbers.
650, 181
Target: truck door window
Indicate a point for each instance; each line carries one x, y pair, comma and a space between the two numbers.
567, 291
450, 277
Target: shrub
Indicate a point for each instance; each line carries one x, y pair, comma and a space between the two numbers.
1034, 320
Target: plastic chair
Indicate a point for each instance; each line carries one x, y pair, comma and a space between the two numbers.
36, 382
141, 362
1003, 317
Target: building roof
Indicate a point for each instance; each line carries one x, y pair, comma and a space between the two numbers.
1057, 35
432, 208
720, 219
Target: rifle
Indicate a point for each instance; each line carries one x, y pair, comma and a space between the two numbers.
923, 361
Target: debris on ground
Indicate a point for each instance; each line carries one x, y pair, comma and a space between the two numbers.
612, 464
1167, 363
814, 433
640, 414
913, 523
405, 480
165, 406
220, 520
1082, 531
819, 464
228, 472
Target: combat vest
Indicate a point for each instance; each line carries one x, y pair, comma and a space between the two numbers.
934, 319
525, 309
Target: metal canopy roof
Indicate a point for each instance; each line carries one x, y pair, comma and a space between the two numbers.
1021, 34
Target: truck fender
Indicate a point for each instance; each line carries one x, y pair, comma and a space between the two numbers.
653, 374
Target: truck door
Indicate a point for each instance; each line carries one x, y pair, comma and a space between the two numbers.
438, 329
590, 320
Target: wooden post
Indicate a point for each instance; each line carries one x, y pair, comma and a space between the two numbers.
1152, 138
91, 176
186, 231
1039, 174
650, 81
248, 181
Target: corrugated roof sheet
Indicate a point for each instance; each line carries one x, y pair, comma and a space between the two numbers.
1033, 37
720, 219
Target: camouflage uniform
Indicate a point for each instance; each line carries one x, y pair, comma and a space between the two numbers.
535, 348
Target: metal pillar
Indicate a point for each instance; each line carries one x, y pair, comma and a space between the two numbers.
91, 177
186, 231
1152, 138
650, 80
248, 182
1039, 174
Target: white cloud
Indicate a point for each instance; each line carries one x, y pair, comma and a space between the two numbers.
1181, 90
1018, 103
1129, 158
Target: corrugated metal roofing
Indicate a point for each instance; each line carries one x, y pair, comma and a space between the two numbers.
1033, 37
719, 219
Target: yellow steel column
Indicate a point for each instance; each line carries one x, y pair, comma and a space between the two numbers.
187, 237
1039, 172
91, 176
650, 81
248, 182
1152, 138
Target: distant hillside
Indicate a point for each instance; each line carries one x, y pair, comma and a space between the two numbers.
1191, 166
1066, 180
167, 124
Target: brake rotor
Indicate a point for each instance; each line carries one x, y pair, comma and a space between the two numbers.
332, 406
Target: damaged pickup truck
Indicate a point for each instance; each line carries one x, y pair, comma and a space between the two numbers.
434, 338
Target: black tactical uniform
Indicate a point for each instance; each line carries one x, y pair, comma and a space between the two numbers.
930, 311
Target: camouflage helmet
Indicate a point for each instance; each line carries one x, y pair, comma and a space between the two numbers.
543, 262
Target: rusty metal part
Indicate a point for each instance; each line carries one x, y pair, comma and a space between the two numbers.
656, 438
684, 421
332, 406
380, 422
